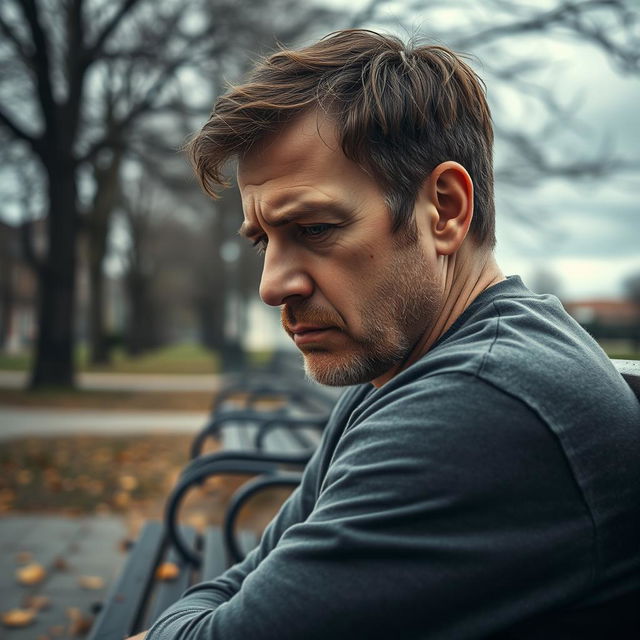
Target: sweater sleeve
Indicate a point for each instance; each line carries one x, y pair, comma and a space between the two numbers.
437, 517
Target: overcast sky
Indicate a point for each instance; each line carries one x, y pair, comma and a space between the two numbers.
591, 229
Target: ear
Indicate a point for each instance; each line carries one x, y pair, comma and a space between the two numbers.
450, 191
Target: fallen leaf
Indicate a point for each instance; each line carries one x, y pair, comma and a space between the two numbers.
167, 571
198, 520
128, 483
121, 499
91, 582
22, 557
31, 574
79, 622
18, 617
81, 626
24, 476
60, 563
37, 603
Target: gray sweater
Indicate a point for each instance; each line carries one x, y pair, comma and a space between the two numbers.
492, 485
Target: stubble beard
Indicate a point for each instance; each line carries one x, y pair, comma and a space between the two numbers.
393, 319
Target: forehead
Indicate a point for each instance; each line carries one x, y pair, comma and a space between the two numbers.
304, 156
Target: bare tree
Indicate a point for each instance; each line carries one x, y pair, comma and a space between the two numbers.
77, 78
495, 31
58, 46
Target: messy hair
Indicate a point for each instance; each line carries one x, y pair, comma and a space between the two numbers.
399, 112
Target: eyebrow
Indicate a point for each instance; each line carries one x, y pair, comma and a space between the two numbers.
249, 229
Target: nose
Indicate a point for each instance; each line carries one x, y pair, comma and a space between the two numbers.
283, 276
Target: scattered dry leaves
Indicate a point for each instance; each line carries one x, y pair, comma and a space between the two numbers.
79, 622
31, 574
90, 474
167, 571
91, 582
18, 617
128, 483
36, 602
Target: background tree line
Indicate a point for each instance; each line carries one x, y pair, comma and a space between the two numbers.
97, 97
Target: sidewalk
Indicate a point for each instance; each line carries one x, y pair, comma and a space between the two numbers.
22, 421
127, 381
81, 557
16, 422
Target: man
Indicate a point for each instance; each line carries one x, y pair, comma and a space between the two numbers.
482, 480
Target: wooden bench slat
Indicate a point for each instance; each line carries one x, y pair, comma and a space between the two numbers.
119, 615
247, 540
169, 591
214, 560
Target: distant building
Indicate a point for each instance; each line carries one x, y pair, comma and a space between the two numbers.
18, 293
607, 319
618, 312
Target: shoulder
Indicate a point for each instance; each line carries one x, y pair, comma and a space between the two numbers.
451, 430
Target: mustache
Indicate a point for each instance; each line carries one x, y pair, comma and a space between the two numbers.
290, 316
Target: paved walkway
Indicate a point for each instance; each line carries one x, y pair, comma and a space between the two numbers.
70, 550
23, 421
15, 422
128, 381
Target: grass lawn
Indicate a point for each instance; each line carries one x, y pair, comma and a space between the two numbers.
180, 358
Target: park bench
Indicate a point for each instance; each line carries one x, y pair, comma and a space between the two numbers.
280, 410
264, 442
139, 597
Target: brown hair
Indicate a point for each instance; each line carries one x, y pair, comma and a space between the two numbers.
399, 112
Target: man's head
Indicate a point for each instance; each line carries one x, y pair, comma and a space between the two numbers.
399, 112
355, 162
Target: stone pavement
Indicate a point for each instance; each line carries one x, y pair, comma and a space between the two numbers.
71, 550
19, 421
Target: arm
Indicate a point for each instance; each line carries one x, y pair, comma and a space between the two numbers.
436, 518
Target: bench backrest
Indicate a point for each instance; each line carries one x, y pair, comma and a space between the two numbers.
630, 370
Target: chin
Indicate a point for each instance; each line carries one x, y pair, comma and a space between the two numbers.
342, 370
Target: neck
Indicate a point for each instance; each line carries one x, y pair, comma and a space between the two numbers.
463, 276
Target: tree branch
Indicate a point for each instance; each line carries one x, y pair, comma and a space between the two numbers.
365, 14
18, 132
571, 15
28, 249
41, 63
17, 43
95, 49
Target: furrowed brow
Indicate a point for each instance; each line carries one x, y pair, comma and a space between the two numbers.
249, 229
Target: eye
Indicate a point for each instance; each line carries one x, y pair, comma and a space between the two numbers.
316, 230
260, 245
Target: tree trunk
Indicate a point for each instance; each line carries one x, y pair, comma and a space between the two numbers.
107, 176
142, 324
54, 365
6, 292
99, 349
210, 314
